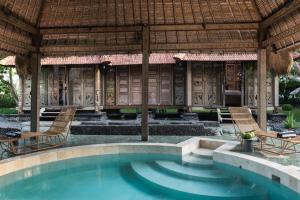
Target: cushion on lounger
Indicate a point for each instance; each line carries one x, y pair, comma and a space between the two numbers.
13, 134
286, 134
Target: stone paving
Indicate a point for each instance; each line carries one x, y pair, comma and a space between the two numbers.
227, 129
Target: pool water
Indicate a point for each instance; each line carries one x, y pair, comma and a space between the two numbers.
139, 176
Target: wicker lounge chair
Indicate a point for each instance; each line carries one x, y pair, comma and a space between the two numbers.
268, 141
29, 142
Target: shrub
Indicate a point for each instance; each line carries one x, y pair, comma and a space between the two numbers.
290, 121
287, 107
6, 101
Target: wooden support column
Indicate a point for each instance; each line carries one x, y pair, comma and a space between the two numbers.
35, 63
145, 70
97, 89
276, 90
189, 86
21, 96
262, 89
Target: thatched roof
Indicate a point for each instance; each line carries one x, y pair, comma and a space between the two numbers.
98, 27
136, 59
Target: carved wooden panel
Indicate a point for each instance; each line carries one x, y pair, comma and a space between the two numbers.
250, 83
233, 76
206, 83
123, 85
165, 84
43, 84
136, 84
75, 80
53, 86
153, 79
110, 85
269, 88
89, 86
27, 90
197, 84
179, 84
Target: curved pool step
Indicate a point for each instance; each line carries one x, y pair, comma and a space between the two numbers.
195, 161
187, 172
191, 189
203, 153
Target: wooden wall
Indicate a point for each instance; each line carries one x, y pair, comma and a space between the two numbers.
121, 85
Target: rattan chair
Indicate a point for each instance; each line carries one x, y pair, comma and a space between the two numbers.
29, 142
268, 141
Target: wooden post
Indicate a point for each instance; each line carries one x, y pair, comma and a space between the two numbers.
262, 89
145, 70
35, 63
97, 89
189, 86
276, 90
21, 96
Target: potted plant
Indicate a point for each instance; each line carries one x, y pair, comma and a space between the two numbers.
290, 122
248, 138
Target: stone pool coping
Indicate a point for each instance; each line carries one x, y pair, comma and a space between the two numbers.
288, 175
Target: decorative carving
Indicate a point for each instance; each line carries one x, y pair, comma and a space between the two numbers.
123, 85
110, 98
136, 84
179, 84
165, 84
205, 83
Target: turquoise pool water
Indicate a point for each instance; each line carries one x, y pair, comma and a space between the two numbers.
141, 177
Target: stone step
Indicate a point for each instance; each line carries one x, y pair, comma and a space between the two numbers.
200, 152
192, 189
177, 169
195, 161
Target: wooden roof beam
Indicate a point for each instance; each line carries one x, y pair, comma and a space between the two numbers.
89, 48
177, 27
7, 17
285, 34
205, 46
288, 8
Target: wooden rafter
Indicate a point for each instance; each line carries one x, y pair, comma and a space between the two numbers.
155, 47
177, 27
204, 46
89, 48
281, 36
18, 23
281, 13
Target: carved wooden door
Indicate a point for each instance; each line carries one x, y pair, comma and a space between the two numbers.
110, 86
88, 86
136, 84
123, 85
165, 84
75, 80
153, 94
27, 90
197, 84
179, 84
53, 86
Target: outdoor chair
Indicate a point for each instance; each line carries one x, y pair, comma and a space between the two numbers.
29, 142
268, 141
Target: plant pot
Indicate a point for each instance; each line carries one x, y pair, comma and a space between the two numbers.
247, 145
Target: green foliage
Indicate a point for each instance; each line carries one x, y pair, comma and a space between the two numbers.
8, 111
290, 121
287, 107
287, 84
6, 101
248, 135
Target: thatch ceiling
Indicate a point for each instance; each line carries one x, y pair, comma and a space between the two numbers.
76, 27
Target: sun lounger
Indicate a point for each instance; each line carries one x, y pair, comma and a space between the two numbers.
268, 141
28, 142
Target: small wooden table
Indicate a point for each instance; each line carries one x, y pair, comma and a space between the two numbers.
28, 142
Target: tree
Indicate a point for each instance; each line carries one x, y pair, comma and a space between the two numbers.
6, 83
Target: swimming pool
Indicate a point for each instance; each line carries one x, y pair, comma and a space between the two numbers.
139, 176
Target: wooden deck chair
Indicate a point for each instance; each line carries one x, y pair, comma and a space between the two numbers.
29, 142
268, 141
